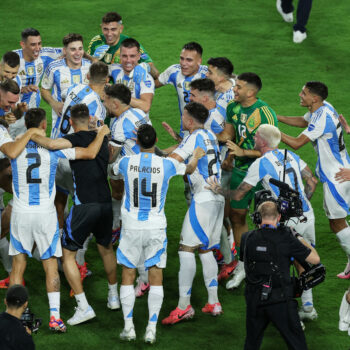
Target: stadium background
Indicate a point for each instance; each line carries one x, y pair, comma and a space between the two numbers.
253, 35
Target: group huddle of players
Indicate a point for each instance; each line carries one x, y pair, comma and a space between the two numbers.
228, 137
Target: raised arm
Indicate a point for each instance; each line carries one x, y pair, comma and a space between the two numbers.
293, 121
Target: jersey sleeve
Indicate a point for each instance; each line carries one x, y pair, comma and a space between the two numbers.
167, 77
186, 147
268, 116
253, 174
121, 166
47, 82
307, 116
68, 153
173, 167
4, 136
94, 42
117, 132
316, 127
231, 112
147, 86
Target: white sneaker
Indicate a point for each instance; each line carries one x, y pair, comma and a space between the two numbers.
128, 334
81, 316
150, 336
343, 326
113, 302
238, 277
287, 17
307, 312
298, 36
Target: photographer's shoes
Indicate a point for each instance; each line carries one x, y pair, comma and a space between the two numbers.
81, 316
57, 325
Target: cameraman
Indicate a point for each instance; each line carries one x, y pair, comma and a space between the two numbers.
267, 254
13, 335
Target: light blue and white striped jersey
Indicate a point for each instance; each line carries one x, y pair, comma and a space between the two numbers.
326, 134
79, 93
223, 98
216, 120
119, 77
124, 127
270, 165
33, 178
146, 179
31, 72
58, 77
172, 75
4, 138
207, 166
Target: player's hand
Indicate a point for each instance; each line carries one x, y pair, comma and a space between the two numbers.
234, 149
29, 88
93, 123
10, 118
139, 74
170, 130
344, 124
104, 129
227, 164
100, 51
198, 153
214, 186
22, 107
342, 175
57, 107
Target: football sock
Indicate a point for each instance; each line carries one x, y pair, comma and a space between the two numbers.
306, 297
155, 300
186, 276
127, 299
54, 304
113, 289
4, 254
344, 240
210, 274
344, 314
225, 246
81, 301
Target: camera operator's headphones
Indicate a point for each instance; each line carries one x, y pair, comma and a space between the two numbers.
261, 197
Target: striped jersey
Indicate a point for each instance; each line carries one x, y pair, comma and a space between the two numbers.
146, 179
326, 134
4, 138
33, 177
124, 128
216, 120
271, 165
79, 93
207, 166
224, 98
32, 72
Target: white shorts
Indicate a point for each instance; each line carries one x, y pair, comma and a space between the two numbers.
149, 245
41, 228
202, 225
64, 178
336, 199
306, 229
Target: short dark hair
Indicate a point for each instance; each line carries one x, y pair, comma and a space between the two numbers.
9, 85
130, 42
112, 17
34, 117
197, 111
98, 72
146, 135
223, 64
120, 92
80, 113
16, 296
11, 59
193, 46
29, 32
318, 88
70, 38
252, 79
205, 85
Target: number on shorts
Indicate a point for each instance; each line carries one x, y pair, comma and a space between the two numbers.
65, 126
31, 167
144, 192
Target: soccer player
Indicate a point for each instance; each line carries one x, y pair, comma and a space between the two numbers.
324, 130
33, 63
33, 196
181, 75
62, 74
203, 221
123, 73
244, 115
144, 224
91, 211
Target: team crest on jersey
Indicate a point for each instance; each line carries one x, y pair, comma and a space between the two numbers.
40, 68
187, 85
243, 118
30, 71
107, 58
76, 79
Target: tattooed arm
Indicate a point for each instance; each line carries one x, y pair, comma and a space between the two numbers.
310, 182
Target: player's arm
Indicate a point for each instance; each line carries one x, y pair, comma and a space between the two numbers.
172, 132
144, 102
240, 152
235, 195
53, 144
310, 182
293, 121
153, 71
14, 149
344, 124
29, 88
56, 105
198, 153
294, 142
227, 134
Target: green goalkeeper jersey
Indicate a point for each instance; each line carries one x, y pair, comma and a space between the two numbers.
246, 121
113, 53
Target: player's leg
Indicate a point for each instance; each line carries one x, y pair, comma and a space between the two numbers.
19, 264
5, 258
344, 313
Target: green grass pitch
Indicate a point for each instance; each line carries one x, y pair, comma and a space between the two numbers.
253, 35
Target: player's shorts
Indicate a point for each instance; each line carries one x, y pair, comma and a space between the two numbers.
83, 219
148, 244
236, 179
336, 199
306, 229
41, 228
202, 225
64, 178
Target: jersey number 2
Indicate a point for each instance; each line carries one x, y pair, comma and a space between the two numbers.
31, 167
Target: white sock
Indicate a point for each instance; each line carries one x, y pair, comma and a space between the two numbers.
307, 296
344, 314
127, 299
81, 301
225, 247
344, 240
4, 254
155, 300
210, 274
54, 304
80, 257
113, 289
186, 276
116, 205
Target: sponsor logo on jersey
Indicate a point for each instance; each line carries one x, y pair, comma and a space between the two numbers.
30, 71
76, 79
311, 127
148, 83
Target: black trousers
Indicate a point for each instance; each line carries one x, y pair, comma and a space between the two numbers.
283, 315
303, 12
